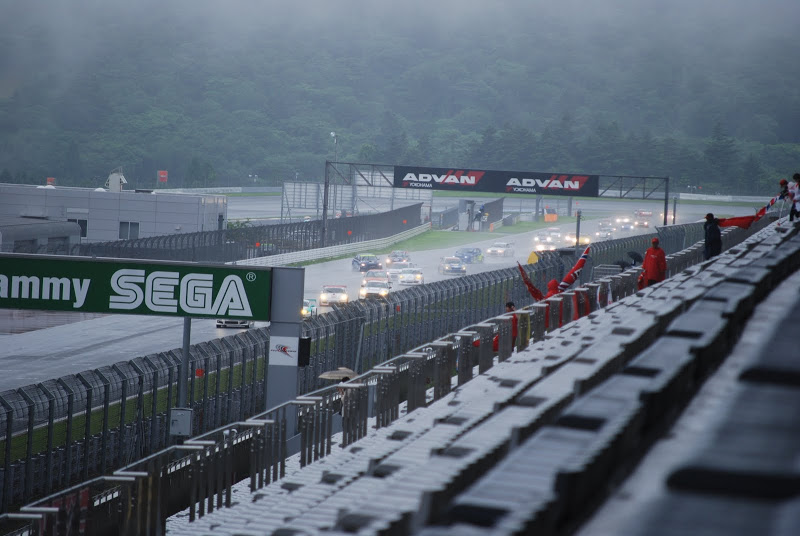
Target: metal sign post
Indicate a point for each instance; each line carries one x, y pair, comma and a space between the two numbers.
284, 342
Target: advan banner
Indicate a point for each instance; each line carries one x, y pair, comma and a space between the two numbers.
489, 180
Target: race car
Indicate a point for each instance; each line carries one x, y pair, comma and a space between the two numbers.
374, 289
584, 239
234, 323
469, 255
411, 276
309, 308
376, 274
365, 262
395, 269
333, 294
500, 249
605, 227
624, 223
542, 237
554, 232
396, 256
601, 235
641, 223
452, 266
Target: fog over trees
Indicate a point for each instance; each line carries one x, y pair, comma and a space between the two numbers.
705, 91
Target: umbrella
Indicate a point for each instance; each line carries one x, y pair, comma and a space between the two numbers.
636, 256
339, 374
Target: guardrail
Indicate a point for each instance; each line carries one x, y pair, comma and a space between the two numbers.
333, 251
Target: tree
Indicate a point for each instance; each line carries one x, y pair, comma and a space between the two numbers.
368, 153
199, 174
751, 176
73, 166
393, 141
721, 157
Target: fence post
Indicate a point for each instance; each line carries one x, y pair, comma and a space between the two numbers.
87, 434
51, 409
170, 381
154, 407
104, 437
139, 407
7, 461
70, 409
123, 403
28, 490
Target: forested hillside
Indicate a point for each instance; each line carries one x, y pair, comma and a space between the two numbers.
217, 93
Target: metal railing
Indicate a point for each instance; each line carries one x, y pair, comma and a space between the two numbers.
259, 241
333, 251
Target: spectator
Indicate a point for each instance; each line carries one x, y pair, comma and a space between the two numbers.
794, 196
514, 322
654, 264
784, 184
713, 245
552, 288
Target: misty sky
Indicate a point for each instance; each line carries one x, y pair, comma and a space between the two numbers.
61, 34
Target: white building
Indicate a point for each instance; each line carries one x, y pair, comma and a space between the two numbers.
105, 215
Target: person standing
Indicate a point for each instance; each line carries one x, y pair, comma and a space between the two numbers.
784, 184
654, 264
713, 244
794, 197
510, 308
552, 288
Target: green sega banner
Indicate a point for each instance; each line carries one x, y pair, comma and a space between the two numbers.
124, 286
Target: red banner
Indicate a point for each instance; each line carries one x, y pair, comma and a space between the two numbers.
162, 176
739, 221
51, 180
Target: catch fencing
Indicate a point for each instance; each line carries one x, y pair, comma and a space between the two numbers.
361, 334
445, 219
69, 429
260, 241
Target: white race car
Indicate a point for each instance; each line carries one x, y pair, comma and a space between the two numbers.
333, 294
411, 276
374, 289
500, 249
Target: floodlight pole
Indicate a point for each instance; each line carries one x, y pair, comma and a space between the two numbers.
323, 238
325, 189
674, 208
